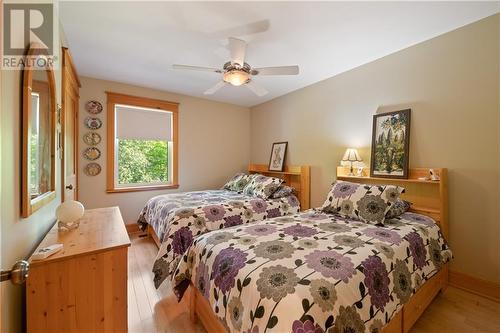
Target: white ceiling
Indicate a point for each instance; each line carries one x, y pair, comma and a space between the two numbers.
137, 42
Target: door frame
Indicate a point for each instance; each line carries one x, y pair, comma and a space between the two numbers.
1, 112
68, 69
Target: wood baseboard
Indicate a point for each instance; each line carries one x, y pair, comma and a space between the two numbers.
132, 228
488, 289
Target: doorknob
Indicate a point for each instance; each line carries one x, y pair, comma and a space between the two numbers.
17, 274
69, 187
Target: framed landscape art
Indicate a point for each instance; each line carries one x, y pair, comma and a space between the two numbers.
390, 144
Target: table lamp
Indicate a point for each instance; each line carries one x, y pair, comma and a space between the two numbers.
351, 155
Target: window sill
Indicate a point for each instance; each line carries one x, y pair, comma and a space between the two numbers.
142, 188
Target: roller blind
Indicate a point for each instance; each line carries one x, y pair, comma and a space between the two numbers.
143, 124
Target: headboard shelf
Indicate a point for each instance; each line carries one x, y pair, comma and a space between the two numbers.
347, 178
428, 197
298, 177
282, 172
413, 176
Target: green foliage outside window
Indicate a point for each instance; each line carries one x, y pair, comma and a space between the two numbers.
34, 181
142, 161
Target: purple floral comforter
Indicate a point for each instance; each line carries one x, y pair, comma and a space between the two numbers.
178, 218
312, 272
161, 210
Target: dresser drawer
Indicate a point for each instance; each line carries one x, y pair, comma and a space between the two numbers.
84, 294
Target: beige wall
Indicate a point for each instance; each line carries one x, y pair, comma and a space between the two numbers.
450, 82
18, 236
214, 143
452, 85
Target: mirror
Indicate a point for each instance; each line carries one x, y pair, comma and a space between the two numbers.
38, 143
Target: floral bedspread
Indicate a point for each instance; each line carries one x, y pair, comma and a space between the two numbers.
162, 209
312, 272
178, 218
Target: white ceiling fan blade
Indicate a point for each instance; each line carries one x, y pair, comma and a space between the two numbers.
281, 70
197, 68
237, 48
257, 90
212, 90
242, 30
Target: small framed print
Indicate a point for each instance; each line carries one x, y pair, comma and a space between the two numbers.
390, 144
278, 154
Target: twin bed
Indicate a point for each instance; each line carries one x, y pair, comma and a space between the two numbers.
161, 211
173, 220
310, 270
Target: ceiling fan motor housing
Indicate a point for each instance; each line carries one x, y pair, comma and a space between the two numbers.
230, 66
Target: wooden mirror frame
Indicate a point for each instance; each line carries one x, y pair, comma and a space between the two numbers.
28, 205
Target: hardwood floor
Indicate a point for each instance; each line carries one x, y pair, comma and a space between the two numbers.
151, 310
456, 310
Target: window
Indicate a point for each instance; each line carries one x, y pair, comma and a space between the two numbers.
142, 143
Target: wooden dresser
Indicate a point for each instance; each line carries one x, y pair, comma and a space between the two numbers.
83, 287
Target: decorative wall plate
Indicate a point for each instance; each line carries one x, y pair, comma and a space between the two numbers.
92, 169
93, 107
92, 138
92, 153
93, 123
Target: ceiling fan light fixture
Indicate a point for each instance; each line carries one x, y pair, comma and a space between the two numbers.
236, 77
237, 72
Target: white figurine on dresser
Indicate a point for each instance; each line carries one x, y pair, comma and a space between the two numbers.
68, 215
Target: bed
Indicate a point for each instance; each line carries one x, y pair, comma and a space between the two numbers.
173, 220
316, 272
163, 210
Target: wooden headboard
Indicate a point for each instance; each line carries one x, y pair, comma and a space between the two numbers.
429, 197
298, 177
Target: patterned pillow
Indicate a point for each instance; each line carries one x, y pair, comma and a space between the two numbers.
283, 191
368, 203
262, 186
237, 183
398, 208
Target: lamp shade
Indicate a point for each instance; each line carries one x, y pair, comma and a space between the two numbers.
69, 211
351, 155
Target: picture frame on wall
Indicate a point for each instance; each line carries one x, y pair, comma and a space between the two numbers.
391, 144
278, 155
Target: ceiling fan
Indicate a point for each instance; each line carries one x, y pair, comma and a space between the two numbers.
237, 72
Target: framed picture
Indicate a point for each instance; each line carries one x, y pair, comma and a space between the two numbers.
390, 144
278, 154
